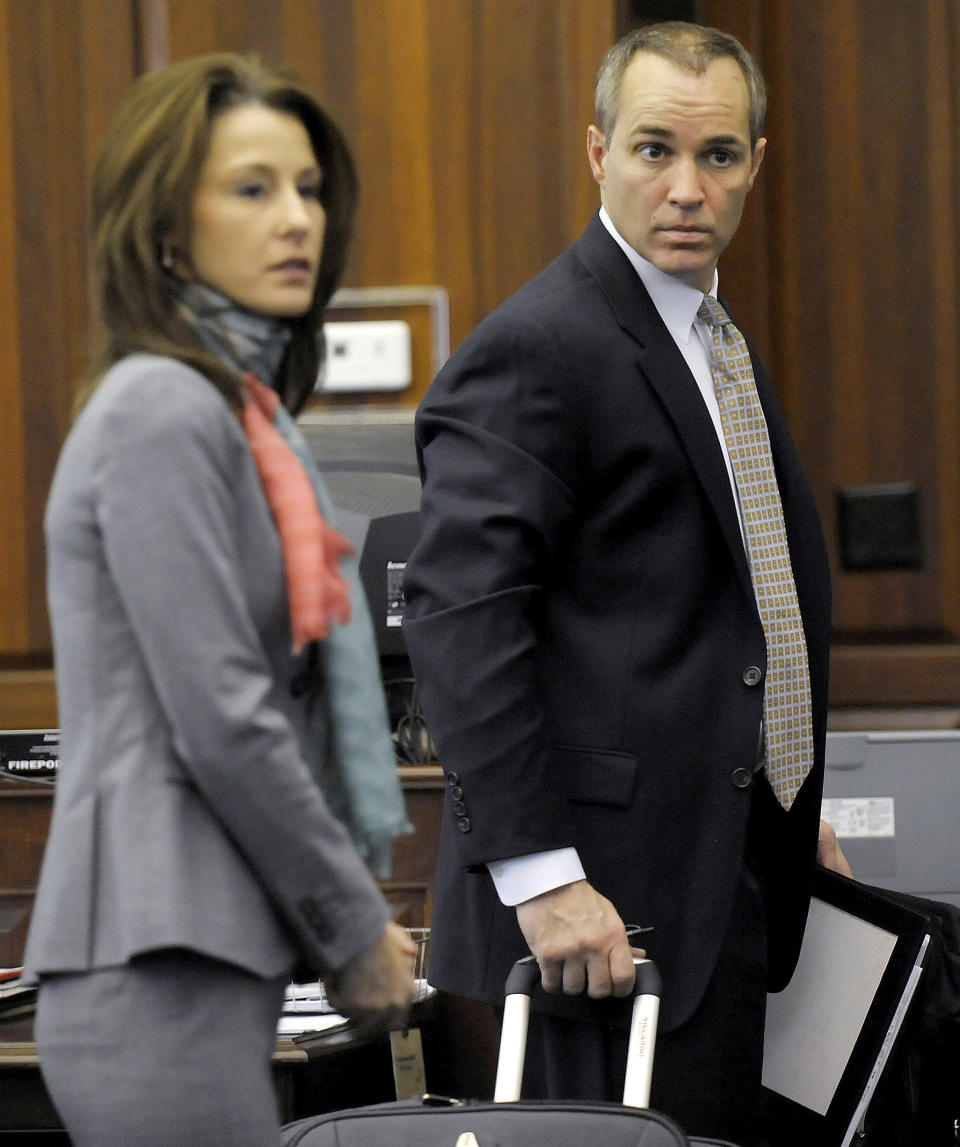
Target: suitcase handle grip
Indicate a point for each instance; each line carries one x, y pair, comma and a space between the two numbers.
521, 982
525, 976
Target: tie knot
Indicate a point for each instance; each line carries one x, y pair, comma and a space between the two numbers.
712, 313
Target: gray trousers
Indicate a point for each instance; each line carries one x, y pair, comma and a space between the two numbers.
170, 1050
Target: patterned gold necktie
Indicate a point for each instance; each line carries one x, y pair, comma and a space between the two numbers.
787, 712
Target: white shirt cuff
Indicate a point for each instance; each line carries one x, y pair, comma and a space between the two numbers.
523, 877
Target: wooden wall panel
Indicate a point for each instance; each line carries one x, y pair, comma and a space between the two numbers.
63, 66
14, 633
874, 356
467, 119
745, 268
28, 699
853, 275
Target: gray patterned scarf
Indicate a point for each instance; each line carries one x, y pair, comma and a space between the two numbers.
359, 776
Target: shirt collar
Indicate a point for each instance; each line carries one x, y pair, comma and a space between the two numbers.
676, 302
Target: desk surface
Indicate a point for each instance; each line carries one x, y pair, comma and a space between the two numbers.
17, 1048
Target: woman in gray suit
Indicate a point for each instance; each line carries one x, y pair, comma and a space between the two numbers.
227, 779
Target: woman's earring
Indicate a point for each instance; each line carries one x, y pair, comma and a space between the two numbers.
166, 257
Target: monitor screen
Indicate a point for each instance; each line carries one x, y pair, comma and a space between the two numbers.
369, 465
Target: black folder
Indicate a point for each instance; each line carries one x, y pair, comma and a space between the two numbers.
829, 1033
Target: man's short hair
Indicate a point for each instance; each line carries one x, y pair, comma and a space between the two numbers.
691, 47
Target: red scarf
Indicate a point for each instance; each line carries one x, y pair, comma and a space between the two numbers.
318, 592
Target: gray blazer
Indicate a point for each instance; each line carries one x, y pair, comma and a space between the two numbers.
186, 813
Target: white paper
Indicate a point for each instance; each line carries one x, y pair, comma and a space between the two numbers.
813, 1024
299, 1024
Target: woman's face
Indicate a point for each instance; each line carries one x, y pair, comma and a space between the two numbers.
257, 223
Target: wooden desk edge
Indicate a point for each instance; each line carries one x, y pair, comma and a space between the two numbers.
25, 1054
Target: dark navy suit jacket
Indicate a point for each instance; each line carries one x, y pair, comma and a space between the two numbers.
585, 635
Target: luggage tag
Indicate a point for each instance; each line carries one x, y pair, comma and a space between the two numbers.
406, 1051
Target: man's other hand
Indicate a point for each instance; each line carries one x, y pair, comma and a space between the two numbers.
829, 853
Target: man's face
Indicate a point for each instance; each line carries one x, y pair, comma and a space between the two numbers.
677, 167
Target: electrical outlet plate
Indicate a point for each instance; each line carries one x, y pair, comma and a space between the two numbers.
366, 356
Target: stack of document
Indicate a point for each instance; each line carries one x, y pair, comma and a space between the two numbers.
307, 1009
15, 999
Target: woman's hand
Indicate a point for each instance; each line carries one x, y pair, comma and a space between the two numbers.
376, 988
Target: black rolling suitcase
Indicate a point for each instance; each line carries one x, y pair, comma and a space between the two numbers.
508, 1122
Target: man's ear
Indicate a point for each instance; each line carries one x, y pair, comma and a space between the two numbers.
758, 153
596, 152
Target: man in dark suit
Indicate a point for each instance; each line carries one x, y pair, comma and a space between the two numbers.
584, 624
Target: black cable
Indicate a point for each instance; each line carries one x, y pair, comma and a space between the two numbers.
410, 734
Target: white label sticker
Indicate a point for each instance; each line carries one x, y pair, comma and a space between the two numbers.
396, 602
860, 816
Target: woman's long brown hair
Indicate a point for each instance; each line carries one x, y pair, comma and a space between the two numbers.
144, 181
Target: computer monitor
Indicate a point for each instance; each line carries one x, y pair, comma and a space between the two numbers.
892, 796
369, 465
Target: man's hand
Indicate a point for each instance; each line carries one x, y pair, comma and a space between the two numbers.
829, 853
579, 941
376, 988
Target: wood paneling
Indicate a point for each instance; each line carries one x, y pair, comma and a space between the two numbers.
853, 275
467, 118
62, 68
24, 823
746, 267
460, 114
14, 630
28, 699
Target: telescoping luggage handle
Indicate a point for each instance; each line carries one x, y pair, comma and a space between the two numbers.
521, 982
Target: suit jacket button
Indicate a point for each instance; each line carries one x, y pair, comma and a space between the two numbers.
463, 823
742, 778
459, 808
752, 675
457, 793
453, 778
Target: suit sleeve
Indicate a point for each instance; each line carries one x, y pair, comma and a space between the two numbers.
170, 518
500, 453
